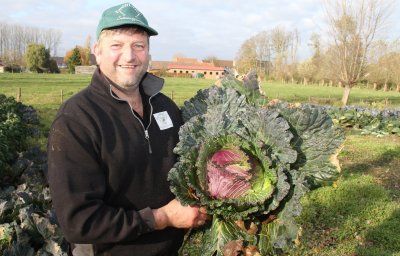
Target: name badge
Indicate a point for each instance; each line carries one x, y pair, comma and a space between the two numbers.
163, 120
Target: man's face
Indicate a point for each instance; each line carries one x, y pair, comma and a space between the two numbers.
123, 56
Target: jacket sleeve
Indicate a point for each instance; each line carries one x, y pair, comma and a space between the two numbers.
78, 183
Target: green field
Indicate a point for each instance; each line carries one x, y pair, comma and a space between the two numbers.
359, 215
326, 95
45, 90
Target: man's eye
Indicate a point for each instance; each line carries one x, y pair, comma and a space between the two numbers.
115, 45
139, 47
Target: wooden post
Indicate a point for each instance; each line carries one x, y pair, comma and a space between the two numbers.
19, 94
62, 96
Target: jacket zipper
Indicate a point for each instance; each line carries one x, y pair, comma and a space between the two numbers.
145, 129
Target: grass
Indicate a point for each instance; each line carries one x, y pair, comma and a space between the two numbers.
325, 95
44, 90
360, 215
379, 157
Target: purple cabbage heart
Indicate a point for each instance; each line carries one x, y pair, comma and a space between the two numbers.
228, 173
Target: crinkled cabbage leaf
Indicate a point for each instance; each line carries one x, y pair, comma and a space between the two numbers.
250, 163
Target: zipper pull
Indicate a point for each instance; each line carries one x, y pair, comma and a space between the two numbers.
146, 135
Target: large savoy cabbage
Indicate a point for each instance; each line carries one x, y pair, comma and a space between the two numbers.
250, 163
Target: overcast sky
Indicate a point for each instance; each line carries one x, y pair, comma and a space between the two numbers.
192, 28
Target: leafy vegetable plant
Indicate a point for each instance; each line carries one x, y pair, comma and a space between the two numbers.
28, 225
250, 163
369, 121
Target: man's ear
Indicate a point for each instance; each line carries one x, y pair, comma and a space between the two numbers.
97, 52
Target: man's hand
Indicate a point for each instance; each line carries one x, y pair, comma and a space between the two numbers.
174, 214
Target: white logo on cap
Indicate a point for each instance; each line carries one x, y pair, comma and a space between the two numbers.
122, 15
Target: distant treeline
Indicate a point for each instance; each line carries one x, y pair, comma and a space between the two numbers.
14, 40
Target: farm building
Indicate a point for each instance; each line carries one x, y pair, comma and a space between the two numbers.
60, 62
182, 67
87, 70
191, 67
158, 67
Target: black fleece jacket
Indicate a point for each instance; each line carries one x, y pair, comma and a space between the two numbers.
105, 176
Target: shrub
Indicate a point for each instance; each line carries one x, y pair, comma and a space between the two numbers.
12, 132
28, 225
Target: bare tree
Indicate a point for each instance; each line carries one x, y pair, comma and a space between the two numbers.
280, 44
385, 67
51, 39
353, 26
284, 46
210, 59
247, 56
307, 70
317, 58
14, 40
86, 51
294, 41
263, 53
268, 52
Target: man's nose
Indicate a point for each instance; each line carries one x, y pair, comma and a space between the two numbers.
129, 54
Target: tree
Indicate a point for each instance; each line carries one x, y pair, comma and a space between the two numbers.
318, 59
86, 51
315, 44
37, 58
385, 68
74, 60
263, 54
353, 26
247, 56
210, 59
83, 53
53, 66
269, 52
307, 70
280, 40
294, 41
396, 71
14, 41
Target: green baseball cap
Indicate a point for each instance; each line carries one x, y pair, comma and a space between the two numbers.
123, 15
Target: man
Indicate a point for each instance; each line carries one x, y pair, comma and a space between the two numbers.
111, 147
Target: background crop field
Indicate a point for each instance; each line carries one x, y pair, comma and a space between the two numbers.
44, 90
359, 215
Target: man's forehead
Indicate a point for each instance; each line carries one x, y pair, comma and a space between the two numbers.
121, 32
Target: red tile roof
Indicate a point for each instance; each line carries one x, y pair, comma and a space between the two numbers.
196, 66
158, 64
185, 60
